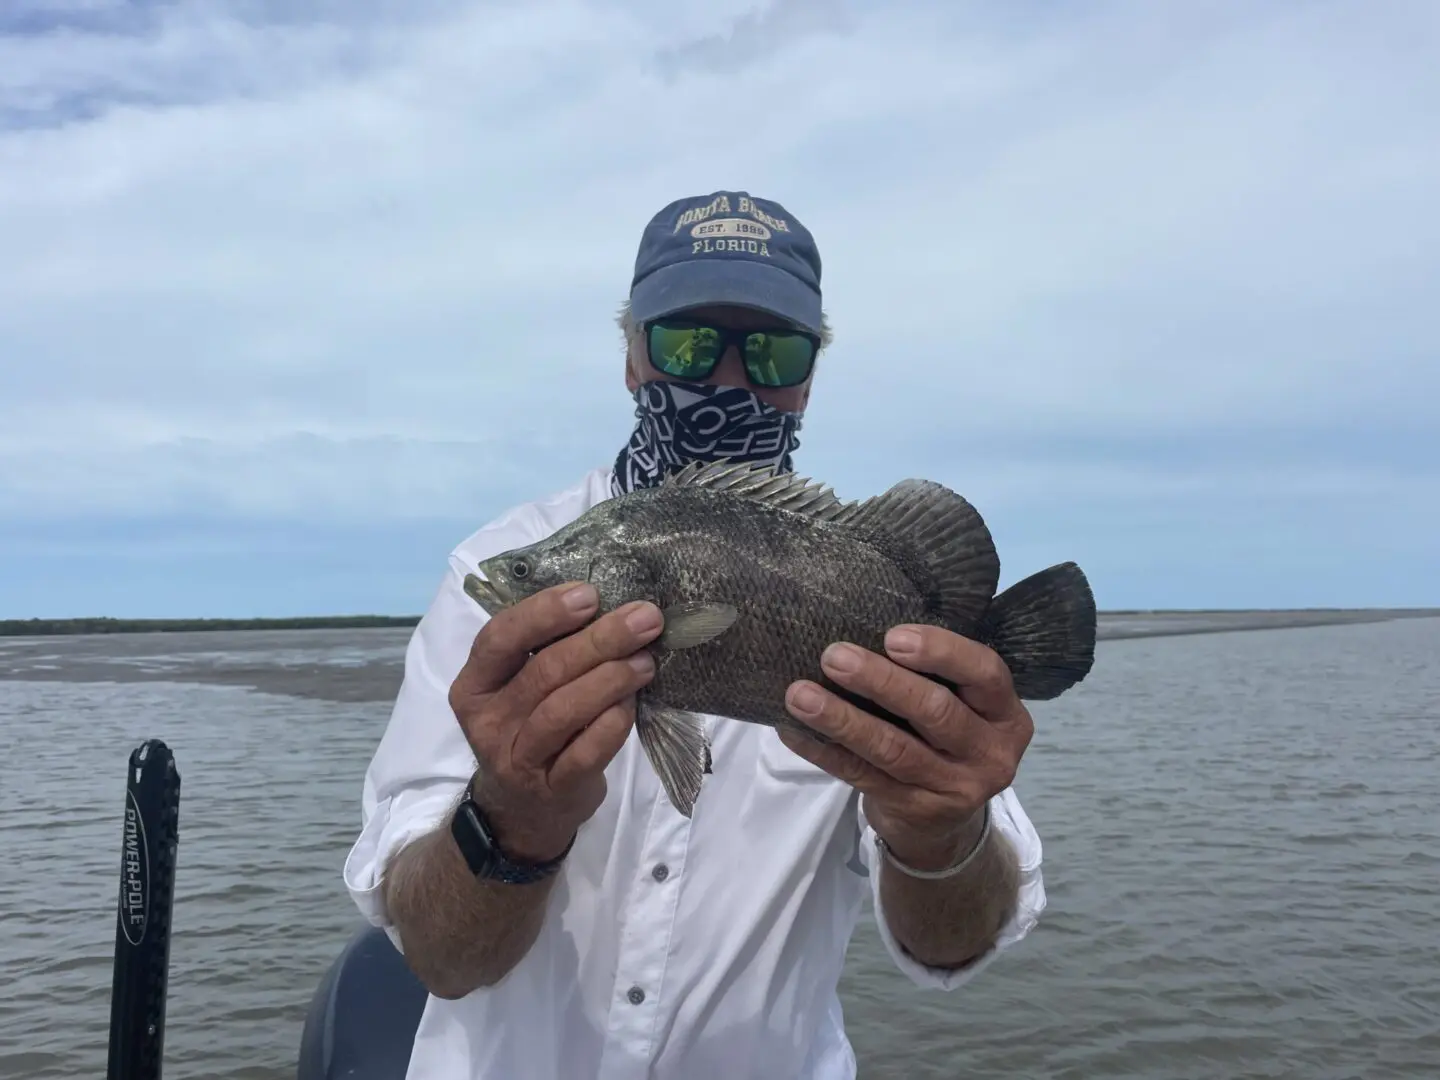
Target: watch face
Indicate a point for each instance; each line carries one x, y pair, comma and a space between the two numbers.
481, 853
473, 840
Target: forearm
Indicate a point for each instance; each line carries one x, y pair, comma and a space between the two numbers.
948, 923
457, 933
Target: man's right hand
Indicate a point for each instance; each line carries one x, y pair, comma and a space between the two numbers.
543, 727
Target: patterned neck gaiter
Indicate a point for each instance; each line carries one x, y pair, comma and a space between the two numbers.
677, 424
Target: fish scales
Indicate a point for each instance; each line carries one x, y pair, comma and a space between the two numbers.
796, 585
757, 573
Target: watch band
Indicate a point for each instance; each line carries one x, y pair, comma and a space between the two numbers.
484, 857
949, 871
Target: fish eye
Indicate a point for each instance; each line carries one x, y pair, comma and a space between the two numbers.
520, 569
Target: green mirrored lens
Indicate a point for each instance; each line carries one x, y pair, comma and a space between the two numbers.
778, 359
685, 352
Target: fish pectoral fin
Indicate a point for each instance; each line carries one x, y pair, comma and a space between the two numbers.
694, 623
675, 743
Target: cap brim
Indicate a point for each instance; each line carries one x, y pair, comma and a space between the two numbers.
742, 282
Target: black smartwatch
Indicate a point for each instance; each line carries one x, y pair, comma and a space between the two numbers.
483, 855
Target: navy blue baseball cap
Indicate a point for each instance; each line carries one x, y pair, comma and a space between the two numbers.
727, 247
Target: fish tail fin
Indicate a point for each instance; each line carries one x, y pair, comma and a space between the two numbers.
1044, 628
675, 744
949, 546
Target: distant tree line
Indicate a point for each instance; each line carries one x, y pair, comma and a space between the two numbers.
48, 627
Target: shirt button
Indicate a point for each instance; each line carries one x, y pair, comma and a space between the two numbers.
636, 995
661, 872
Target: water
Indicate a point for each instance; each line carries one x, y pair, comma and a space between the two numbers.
1241, 835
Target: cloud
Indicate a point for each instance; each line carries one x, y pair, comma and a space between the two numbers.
758, 35
330, 259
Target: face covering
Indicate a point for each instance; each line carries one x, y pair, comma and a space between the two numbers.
676, 424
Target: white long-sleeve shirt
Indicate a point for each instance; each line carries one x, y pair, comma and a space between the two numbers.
672, 949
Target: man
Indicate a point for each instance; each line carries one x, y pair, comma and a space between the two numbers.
518, 847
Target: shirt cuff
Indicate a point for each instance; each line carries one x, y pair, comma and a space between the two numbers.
394, 823
1008, 818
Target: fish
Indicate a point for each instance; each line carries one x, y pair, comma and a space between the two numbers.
757, 571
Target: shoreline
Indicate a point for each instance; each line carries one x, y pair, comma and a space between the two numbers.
1118, 624
338, 664
104, 624
1155, 624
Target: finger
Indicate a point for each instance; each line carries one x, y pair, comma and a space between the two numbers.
570, 707
980, 677
845, 765
595, 747
917, 804
894, 752
506, 641
614, 636
941, 718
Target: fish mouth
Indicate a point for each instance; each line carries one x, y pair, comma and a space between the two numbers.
492, 596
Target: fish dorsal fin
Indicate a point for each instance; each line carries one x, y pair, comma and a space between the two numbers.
945, 540
761, 483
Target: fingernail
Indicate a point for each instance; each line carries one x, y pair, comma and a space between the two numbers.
841, 658
903, 642
581, 598
643, 619
643, 663
806, 699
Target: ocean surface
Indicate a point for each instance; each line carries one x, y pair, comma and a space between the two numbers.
1242, 854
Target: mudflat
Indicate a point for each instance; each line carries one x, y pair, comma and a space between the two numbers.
366, 664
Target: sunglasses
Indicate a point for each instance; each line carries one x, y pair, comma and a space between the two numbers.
690, 350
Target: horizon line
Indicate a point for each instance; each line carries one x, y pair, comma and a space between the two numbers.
39, 626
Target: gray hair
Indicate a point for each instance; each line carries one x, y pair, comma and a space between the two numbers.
631, 332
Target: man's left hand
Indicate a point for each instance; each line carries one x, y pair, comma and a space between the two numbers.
923, 796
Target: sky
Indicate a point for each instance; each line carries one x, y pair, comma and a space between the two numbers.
297, 294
